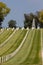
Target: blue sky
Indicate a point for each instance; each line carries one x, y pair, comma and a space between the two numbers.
19, 7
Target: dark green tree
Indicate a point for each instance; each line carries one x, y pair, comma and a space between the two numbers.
4, 10
40, 17
28, 20
12, 23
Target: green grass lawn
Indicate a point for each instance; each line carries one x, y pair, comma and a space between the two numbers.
16, 43
29, 53
5, 34
10, 42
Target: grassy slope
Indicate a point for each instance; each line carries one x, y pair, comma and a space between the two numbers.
29, 53
5, 35
42, 34
33, 57
19, 56
16, 43
10, 42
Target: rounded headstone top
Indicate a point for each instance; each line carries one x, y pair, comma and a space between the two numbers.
7, 28
22, 28
12, 29
33, 27
17, 28
27, 28
2, 29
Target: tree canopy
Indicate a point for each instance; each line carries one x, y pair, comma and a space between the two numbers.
4, 10
12, 23
29, 19
40, 16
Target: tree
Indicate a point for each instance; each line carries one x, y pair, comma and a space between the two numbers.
40, 17
4, 10
28, 20
12, 23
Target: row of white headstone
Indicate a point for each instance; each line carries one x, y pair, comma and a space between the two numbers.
21, 28
13, 29
8, 29
33, 27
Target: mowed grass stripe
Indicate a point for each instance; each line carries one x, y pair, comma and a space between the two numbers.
36, 48
1, 31
5, 35
16, 44
26, 61
29, 48
42, 45
42, 36
33, 57
10, 42
19, 56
